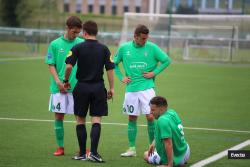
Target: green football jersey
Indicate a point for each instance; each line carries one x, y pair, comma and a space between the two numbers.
56, 55
139, 59
169, 125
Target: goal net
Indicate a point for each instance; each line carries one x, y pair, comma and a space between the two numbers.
194, 37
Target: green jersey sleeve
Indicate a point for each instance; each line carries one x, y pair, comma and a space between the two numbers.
50, 57
163, 58
117, 60
165, 128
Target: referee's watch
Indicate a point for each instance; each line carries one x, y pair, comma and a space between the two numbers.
65, 81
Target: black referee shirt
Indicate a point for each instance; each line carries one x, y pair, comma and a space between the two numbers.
91, 57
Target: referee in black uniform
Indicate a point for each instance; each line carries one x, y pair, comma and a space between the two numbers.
90, 92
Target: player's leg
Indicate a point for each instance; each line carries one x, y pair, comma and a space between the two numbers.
62, 103
58, 105
59, 133
130, 107
132, 130
98, 108
132, 133
151, 127
145, 156
145, 97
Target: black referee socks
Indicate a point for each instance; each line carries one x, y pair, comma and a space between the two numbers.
95, 136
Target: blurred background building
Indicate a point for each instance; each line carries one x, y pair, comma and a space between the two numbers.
222, 34
119, 7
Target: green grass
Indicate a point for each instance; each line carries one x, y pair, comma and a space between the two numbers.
205, 96
21, 49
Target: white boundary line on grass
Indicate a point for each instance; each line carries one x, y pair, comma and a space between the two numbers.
125, 124
21, 59
220, 155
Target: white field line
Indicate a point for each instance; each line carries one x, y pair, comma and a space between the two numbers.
21, 59
220, 155
125, 124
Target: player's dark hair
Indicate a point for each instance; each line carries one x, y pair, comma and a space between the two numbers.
90, 27
159, 101
141, 29
74, 21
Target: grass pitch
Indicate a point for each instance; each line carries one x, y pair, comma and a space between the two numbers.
205, 96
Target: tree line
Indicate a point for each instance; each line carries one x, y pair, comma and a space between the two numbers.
16, 13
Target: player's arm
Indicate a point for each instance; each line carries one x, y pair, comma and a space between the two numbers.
166, 137
163, 58
169, 151
120, 76
67, 73
50, 59
53, 72
117, 61
151, 148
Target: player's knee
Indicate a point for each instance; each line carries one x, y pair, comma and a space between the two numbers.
132, 118
59, 116
145, 157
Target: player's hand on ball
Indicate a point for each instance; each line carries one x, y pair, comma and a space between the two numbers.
151, 149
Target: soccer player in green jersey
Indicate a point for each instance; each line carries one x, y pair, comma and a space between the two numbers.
142, 61
61, 100
171, 146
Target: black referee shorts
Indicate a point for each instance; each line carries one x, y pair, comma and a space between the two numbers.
92, 96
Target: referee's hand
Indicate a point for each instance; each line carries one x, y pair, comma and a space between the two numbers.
110, 94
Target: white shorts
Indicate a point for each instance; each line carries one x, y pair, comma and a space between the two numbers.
61, 103
155, 158
186, 156
136, 103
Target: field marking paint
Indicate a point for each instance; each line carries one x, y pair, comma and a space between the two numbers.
125, 124
21, 59
218, 130
220, 155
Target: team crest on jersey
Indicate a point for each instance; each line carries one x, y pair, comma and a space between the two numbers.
69, 54
61, 50
127, 53
49, 56
145, 54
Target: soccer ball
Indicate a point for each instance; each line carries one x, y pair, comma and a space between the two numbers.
155, 159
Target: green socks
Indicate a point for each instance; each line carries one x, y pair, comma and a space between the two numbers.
132, 132
59, 131
151, 131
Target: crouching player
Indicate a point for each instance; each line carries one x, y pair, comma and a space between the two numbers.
169, 147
